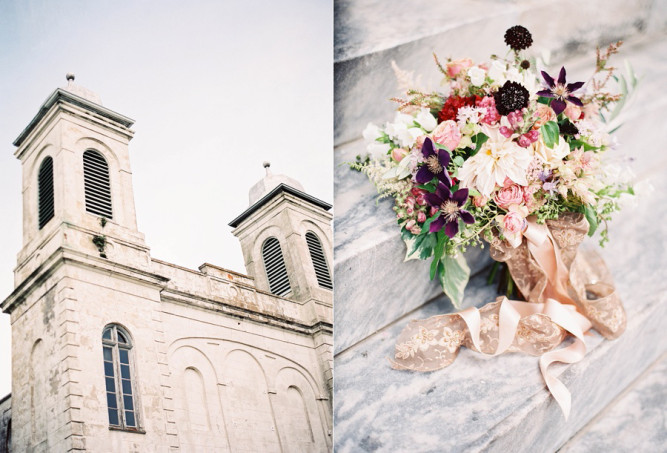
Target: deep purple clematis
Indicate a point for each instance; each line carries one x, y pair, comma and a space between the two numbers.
449, 205
559, 91
435, 164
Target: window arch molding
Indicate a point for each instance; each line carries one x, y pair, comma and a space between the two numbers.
319, 260
275, 267
120, 378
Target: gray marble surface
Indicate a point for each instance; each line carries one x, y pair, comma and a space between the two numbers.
375, 287
371, 33
501, 404
635, 422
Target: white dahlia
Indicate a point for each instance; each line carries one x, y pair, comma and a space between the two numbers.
499, 158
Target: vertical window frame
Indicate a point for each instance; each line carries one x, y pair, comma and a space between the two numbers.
97, 193
321, 268
275, 262
42, 197
116, 346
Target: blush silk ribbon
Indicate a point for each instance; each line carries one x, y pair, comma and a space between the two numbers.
541, 268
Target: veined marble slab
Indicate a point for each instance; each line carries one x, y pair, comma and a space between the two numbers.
373, 284
372, 33
501, 404
636, 421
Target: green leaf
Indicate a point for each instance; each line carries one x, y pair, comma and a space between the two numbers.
454, 277
479, 140
420, 247
438, 252
550, 133
592, 218
543, 100
439, 146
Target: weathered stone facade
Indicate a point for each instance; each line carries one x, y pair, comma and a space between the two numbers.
218, 363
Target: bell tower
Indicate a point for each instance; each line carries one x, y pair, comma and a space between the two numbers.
77, 185
286, 239
287, 246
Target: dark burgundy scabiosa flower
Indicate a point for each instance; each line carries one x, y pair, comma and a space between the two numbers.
435, 164
510, 97
449, 206
518, 38
560, 91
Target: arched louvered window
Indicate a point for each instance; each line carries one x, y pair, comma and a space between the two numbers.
119, 378
274, 264
45, 196
319, 262
97, 184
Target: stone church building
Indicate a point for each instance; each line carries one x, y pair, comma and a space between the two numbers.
116, 351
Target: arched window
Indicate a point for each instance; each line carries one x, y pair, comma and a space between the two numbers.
319, 261
274, 264
45, 198
97, 184
119, 377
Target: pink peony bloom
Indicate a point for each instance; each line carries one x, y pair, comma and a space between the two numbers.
455, 67
447, 133
508, 196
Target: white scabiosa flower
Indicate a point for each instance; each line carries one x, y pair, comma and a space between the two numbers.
499, 158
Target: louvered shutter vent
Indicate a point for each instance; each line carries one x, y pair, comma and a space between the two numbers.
45, 196
97, 185
275, 267
320, 263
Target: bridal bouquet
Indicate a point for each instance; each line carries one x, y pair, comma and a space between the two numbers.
501, 143
514, 155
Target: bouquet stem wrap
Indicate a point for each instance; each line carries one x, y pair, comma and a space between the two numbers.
567, 293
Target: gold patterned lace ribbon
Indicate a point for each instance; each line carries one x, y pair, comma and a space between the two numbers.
567, 292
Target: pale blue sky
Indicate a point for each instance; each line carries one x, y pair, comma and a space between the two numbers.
215, 88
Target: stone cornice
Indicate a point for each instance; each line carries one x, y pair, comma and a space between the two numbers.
68, 256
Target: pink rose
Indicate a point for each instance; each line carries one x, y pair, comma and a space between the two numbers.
591, 110
447, 133
420, 141
421, 200
456, 66
433, 211
421, 217
543, 114
398, 154
508, 196
572, 111
513, 223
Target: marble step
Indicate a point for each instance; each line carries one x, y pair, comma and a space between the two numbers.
634, 421
501, 404
374, 286
370, 34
